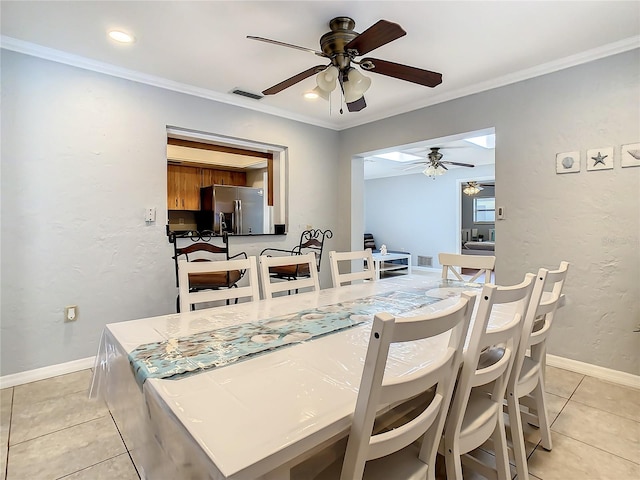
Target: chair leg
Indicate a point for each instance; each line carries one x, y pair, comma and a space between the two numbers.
517, 436
453, 461
543, 419
429, 449
500, 446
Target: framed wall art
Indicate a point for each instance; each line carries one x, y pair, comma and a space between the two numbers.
568, 162
600, 158
630, 155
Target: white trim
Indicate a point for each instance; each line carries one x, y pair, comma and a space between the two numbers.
27, 48
602, 373
46, 372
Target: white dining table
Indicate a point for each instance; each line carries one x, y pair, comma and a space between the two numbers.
259, 416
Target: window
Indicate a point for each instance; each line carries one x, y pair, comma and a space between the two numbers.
484, 210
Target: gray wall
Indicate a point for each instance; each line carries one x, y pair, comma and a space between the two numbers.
82, 155
591, 219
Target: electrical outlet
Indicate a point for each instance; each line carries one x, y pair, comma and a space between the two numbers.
150, 214
71, 313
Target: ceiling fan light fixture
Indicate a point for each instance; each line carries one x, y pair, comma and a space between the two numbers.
433, 171
472, 188
355, 85
317, 92
327, 79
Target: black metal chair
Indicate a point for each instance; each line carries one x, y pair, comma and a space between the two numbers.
206, 251
311, 241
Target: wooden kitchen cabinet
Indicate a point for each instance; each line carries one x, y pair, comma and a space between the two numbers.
183, 187
223, 177
184, 182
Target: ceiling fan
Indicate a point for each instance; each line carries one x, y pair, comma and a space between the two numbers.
435, 165
473, 188
341, 46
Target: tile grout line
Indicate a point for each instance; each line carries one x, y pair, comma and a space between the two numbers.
6, 466
59, 430
88, 467
597, 448
606, 411
135, 467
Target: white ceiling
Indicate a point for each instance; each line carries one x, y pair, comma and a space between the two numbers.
201, 46
453, 149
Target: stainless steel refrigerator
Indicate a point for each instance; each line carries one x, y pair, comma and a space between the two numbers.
231, 209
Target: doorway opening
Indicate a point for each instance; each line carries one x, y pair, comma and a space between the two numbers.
408, 207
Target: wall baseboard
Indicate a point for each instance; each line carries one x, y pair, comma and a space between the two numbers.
602, 373
46, 372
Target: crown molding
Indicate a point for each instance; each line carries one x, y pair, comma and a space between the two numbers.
608, 50
27, 48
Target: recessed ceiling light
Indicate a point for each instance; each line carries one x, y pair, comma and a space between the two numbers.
310, 95
120, 36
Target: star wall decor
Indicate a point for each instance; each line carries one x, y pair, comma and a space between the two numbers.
568, 162
600, 158
630, 155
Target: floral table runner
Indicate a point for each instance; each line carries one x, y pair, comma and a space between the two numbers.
215, 348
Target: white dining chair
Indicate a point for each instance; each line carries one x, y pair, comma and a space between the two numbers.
189, 271
526, 381
393, 453
476, 413
483, 263
365, 262
271, 286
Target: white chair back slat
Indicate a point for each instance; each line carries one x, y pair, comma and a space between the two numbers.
483, 263
362, 261
269, 287
376, 390
527, 375
480, 389
189, 297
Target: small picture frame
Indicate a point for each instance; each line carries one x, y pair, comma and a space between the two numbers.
568, 162
600, 158
630, 155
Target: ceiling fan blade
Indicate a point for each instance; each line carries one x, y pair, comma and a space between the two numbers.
378, 34
415, 165
403, 72
440, 164
358, 105
293, 80
459, 164
283, 44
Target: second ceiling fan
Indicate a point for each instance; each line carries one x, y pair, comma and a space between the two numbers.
435, 165
341, 46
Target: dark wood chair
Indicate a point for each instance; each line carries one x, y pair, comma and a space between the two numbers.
203, 250
311, 241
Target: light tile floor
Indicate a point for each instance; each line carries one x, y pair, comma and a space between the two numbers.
51, 430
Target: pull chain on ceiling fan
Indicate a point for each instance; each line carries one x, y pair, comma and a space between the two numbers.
341, 46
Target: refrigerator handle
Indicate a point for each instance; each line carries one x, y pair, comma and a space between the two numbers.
239, 217
221, 221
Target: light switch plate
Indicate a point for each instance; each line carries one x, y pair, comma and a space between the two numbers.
500, 214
